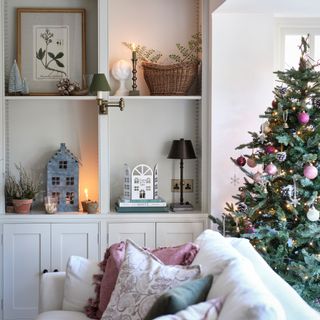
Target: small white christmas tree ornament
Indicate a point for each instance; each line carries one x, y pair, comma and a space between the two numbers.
15, 82
25, 87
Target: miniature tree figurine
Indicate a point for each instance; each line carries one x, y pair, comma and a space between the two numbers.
15, 82
277, 207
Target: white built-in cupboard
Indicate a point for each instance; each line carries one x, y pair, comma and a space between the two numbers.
33, 127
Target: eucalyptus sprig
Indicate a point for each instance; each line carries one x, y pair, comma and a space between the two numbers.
145, 54
189, 53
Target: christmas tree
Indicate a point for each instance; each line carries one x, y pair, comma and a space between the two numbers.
277, 207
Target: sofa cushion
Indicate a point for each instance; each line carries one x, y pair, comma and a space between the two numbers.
208, 310
294, 306
142, 279
181, 297
51, 291
235, 279
179, 255
79, 286
62, 315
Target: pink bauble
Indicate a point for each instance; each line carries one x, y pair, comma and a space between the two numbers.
303, 118
310, 171
257, 177
251, 162
270, 149
271, 169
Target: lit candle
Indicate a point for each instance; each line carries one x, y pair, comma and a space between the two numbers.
134, 52
86, 194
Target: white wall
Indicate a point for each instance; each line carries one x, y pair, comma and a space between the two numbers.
242, 89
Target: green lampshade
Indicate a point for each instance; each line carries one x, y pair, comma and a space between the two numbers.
99, 83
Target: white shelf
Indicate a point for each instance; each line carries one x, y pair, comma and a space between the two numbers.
158, 97
67, 98
91, 98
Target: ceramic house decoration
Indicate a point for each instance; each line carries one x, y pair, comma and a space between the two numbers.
155, 182
127, 183
63, 179
141, 183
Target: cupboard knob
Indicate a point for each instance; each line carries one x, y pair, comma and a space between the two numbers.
45, 271
55, 270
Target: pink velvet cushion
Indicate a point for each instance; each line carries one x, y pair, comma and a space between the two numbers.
114, 256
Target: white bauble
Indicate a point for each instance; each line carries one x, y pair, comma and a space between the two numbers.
121, 70
313, 214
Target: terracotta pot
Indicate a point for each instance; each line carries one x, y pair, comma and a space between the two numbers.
92, 207
22, 206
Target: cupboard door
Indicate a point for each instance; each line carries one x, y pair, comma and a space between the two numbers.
73, 240
141, 233
172, 234
26, 249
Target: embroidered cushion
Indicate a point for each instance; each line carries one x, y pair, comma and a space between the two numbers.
179, 298
178, 255
141, 280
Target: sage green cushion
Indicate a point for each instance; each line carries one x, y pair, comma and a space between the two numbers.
179, 298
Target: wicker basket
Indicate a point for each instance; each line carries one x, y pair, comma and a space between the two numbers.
169, 80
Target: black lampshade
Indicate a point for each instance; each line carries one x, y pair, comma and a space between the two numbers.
182, 149
99, 83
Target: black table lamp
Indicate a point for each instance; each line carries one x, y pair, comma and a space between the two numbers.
181, 149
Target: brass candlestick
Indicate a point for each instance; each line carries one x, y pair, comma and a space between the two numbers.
134, 91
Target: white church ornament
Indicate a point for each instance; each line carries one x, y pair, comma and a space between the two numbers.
141, 183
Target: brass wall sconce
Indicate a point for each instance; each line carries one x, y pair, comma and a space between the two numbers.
100, 84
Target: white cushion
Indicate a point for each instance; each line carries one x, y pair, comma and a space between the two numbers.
294, 306
142, 279
208, 310
62, 315
246, 297
51, 291
214, 255
79, 286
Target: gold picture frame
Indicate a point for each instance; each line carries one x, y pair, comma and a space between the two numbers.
48, 44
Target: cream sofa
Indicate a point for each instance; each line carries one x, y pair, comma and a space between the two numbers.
252, 290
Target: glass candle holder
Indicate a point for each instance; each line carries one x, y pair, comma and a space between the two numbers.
51, 204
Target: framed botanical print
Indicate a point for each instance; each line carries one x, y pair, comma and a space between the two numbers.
51, 45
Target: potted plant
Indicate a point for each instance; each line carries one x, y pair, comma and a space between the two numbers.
175, 77
21, 191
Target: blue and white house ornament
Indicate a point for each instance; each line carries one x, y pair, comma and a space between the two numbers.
15, 82
140, 183
63, 179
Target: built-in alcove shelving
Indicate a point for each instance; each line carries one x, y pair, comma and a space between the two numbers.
36, 125
32, 128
